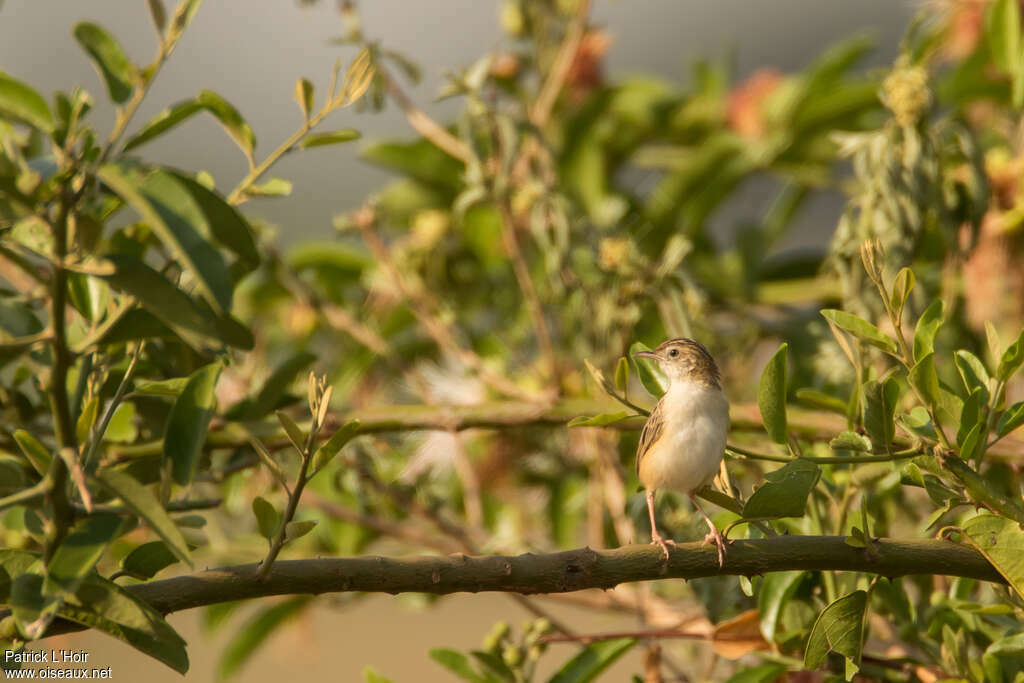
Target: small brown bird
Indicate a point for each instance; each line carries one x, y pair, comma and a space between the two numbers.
683, 440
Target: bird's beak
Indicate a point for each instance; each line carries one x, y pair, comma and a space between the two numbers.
646, 354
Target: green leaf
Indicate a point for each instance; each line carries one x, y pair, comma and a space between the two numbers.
267, 518
334, 137
901, 288
103, 605
21, 102
598, 420
784, 493
648, 372
970, 416
225, 223
13, 563
420, 160
370, 675
763, 673
927, 327
233, 123
1001, 541
1011, 418
294, 432
121, 428
166, 387
972, 372
273, 389
879, 405
86, 419
821, 400
861, 329
457, 663
304, 96
1012, 359
163, 122
776, 590
109, 59
1002, 27
148, 559
622, 375
925, 380
188, 422
771, 396
294, 530
144, 504
336, 261
34, 451
174, 215
839, 628
494, 664
592, 660
850, 441
275, 187
323, 455
158, 14
79, 552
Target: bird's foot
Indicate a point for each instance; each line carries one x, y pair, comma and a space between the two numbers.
658, 539
715, 536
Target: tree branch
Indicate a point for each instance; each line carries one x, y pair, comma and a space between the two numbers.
561, 572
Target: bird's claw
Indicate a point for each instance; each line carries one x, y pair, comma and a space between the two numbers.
664, 543
715, 537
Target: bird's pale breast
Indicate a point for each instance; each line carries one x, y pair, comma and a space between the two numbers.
688, 453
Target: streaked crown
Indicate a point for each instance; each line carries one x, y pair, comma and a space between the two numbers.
685, 358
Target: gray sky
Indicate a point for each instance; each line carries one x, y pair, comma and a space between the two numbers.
253, 51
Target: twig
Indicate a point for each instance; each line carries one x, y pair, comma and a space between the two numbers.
100, 428
555, 81
422, 123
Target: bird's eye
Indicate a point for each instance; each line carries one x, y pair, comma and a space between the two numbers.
674, 352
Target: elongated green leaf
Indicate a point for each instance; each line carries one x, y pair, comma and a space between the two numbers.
1011, 418
771, 396
267, 518
775, 591
969, 416
166, 387
294, 432
106, 607
13, 563
762, 673
879, 404
144, 504
652, 379
226, 224
1001, 541
36, 452
256, 631
850, 441
233, 123
839, 628
972, 373
1002, 26
294, 530
109, 59
370, 675
334, 137
420, 160
304, 96
592, 660
21, 102
85, 420
175, 216
622, 375
79, 552
784, 493
274, 187
927, 327
332, 446
598, 420
148, 559
457, 663
901, 288
163, 122
925, 380
861, 329
158, 14
821, 400
1011, 359
188, 422
273, 389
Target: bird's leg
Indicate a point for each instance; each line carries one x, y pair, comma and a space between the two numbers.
714, 536
655, 536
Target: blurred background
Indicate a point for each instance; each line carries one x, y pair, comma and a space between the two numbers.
252, 53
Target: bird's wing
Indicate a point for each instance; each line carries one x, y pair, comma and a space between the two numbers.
650, 433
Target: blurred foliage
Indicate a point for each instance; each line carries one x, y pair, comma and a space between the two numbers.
156, 346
